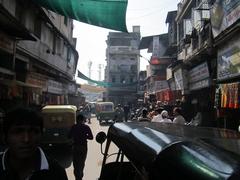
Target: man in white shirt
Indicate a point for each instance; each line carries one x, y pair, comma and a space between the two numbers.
158, 117
165, 119
178, 118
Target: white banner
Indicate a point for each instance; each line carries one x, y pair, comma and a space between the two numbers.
156, 47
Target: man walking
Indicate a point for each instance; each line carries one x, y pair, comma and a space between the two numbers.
80, 133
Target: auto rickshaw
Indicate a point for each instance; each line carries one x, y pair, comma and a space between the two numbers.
152, 151
58, 119
105, 111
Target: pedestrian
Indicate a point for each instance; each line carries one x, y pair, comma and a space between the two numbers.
165, 119
158, 117
197, 119
119, 113
144, 116
23, 159
178, 118
80, 133
87, 112
126, 110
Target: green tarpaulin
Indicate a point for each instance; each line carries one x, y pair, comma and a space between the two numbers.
109, 14
105, 84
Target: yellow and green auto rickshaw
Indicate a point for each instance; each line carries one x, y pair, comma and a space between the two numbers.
58, 119
105, 111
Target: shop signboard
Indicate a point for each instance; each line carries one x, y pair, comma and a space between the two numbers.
55, 87
169, 73
198, 73
199, 84
156, 47
223, 14
37, 80
172, 85
161, 85
180, 79
228, 60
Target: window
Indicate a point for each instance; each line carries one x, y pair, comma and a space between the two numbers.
134, 68
37, 27
69, 54
19, 11
131, 79
65, 20
187, 23
113, 79
123, 80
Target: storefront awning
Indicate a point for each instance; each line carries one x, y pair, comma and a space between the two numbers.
109, 14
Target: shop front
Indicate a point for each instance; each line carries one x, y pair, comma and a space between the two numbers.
201, 94
228, 76
55, 93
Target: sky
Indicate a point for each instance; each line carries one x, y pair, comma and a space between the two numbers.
150, 15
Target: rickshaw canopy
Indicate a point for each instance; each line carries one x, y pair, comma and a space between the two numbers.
59, 108
187, 151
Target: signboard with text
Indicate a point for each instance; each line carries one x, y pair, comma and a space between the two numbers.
180, 77
156, 46
223, 14
161, 85
55, 87
198, 73
228, 61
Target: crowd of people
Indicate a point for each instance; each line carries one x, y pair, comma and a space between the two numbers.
165, 114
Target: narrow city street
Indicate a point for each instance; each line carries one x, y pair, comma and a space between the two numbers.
94, 157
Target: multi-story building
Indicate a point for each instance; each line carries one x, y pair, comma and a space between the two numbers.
225, 19
122, 56
38, 58
156, 77
196, 67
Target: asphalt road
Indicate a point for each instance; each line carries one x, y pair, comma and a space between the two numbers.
94, 156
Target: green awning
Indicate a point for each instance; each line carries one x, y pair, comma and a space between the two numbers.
109, 14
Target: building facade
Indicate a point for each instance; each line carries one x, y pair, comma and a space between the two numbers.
38, 56
195, 69
156, 82
122, 56
225, 19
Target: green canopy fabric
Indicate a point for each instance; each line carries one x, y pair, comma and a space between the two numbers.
109, 14
105, 84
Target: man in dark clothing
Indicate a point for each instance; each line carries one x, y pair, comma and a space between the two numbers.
24, 159
80, 133
126, 109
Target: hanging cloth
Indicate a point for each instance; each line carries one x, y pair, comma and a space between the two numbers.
109, 14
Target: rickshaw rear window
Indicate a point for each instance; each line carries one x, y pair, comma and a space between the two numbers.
107, 108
